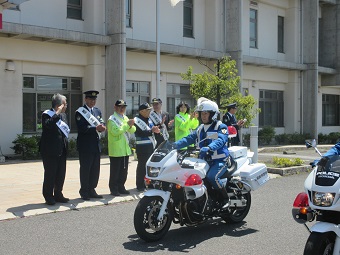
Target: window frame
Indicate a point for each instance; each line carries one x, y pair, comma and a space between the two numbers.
69, 92
74, 7
188, 29
128, 15
267, 116
174, 98
255, 22
330, 110
280, 34
141, 96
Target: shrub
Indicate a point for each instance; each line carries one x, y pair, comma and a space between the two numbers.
286, 162
266, 135
72, 151
27, 146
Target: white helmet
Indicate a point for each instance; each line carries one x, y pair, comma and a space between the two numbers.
206, 105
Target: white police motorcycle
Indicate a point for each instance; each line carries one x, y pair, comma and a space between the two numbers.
178, 192
321, 202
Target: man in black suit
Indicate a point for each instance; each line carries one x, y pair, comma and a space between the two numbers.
53, 149
90, 124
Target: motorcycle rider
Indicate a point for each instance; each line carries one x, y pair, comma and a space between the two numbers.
220, 159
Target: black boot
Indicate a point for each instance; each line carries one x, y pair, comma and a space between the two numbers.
225, 196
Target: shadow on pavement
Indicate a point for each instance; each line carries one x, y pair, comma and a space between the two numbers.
184, 239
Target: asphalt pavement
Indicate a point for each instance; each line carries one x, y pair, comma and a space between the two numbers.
21, 183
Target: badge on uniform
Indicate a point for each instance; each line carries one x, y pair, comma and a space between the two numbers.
78, 117
224, 131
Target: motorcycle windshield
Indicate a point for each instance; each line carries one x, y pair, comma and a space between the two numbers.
163, 149
329, 174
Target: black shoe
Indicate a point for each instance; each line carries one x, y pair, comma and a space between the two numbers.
95, 195
115, 193
62, 199
86, 198
50, 201
124, 192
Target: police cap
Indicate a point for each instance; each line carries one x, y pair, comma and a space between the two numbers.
231, 106
144, 106
156, 100
120, 102
91, 93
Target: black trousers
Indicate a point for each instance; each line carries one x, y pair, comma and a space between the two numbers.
54, 175
141, 169
118, 173
89, 172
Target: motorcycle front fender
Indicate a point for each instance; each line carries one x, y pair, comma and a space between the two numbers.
163, 194
322, 227
156, 192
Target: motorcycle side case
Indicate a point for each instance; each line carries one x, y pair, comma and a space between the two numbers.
237, 151
255, 175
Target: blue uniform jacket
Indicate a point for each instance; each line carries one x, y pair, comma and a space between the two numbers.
218, 145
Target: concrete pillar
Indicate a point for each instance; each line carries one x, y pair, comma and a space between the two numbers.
233, 32
254, 142
115, 70
310, 30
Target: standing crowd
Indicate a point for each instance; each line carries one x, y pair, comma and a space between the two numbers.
150, 128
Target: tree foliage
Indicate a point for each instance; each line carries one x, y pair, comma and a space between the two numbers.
222, 86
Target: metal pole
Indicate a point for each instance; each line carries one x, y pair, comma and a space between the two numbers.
254, 142
158, 52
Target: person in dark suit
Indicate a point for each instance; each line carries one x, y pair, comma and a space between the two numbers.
145, 141
90, 125
160, 119
230, 120
53, 150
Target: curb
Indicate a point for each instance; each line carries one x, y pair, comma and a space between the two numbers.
284, 171
74, 204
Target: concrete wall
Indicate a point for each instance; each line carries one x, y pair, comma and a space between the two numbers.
42, 58
52, 14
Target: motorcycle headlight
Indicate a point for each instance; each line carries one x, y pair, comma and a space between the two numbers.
153, 171
323, 198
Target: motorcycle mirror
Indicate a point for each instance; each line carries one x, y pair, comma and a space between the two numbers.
310, 144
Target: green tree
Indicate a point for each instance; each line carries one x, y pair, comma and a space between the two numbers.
221, 85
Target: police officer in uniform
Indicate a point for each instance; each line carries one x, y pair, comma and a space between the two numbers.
217, 148
145, 142
230, 120
88, 145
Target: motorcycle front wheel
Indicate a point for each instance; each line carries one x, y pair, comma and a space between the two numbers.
235, 215
320, 243
146, 224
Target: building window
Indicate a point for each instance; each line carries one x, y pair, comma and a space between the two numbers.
188, 18
177, 93
137, 92
37, 97
74, 9
271, 105
253, 28
280, 34
128, 13
330, 110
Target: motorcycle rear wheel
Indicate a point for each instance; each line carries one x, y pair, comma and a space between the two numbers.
146, 224
238, 214
320, 243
